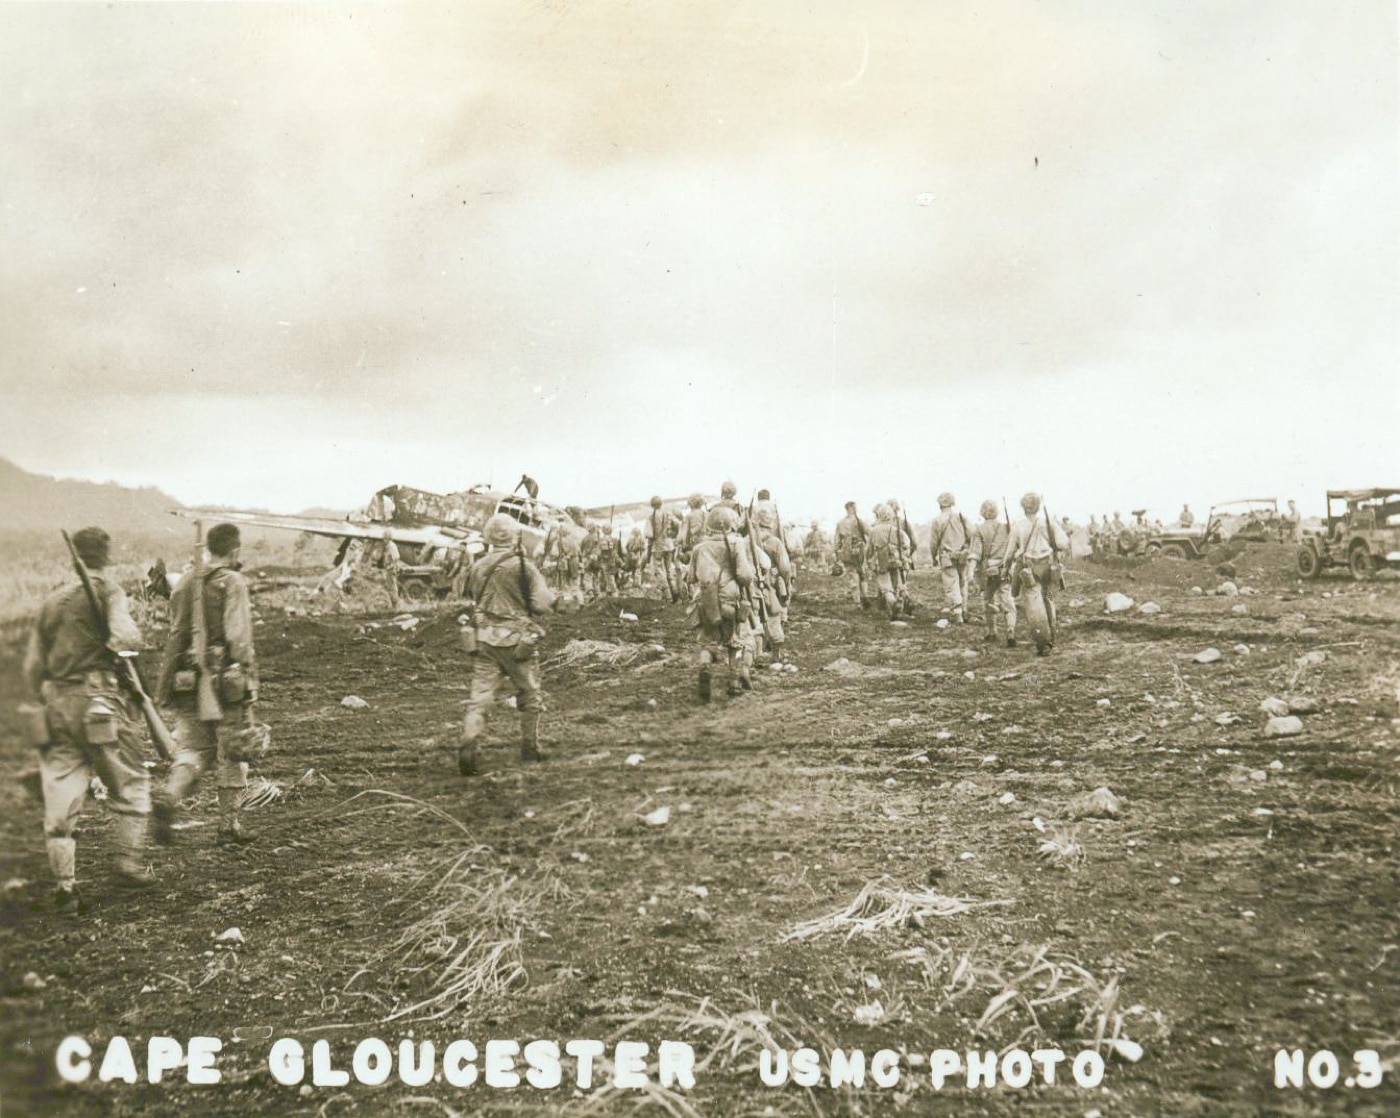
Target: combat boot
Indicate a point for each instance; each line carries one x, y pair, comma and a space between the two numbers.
163, 822
705, 685
231, 832
466, 759
745, 679
530, 751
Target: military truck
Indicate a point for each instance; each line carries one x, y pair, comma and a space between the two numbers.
1248, 519
1361, 533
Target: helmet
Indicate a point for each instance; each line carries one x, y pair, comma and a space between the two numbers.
1030, 503
501, 530
945, 500
727, 490
721, 520
882, 512
989, 509
656, 502
695, 501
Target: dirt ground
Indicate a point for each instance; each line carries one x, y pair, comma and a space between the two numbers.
1243, 899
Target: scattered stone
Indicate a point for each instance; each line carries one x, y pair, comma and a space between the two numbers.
1240, 609
634, 759
871, 1014
1104, 703
1310, 659
1274, 707
1276, 765
1007, 798
230, 936
354, 702
1303, 704
1117, 603
1226, 719
698, 890
32, 981
1241, 650
149, 989
1207, 656
1228, 590
1258, 776
625, 616
1149, 608
1098, 804
1196, 591
15, 884
1285, 727
658, 818
941, 623
1075, 603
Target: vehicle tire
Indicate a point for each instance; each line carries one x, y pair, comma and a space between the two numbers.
1308, 562
1360, 563
1173, 551
415, 590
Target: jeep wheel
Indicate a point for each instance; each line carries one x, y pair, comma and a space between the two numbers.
1173, 551
1360, 563
1308, 562
415, 590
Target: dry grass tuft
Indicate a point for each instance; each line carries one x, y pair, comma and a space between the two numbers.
881, 905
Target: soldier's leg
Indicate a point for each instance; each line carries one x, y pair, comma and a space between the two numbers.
948, 575
64, 774
232, 775
707, 658
524, 676
1033, 603
884, 582
196, 749
1008, 608
484, 679
123, 771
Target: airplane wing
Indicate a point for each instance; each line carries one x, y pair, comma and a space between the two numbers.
430, 535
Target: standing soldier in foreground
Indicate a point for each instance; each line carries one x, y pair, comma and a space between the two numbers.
989, 540
949, 540
1032, 558
853, 551
89, 723
211, 699
721, 568
508, 593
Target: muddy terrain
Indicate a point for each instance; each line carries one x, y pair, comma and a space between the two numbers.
898, 846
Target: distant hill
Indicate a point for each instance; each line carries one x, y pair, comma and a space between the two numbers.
34, 502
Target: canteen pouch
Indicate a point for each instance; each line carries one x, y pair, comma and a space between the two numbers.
100, 722
233, 685
184, 681
34, 725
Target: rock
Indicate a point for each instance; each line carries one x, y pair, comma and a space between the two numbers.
1310, 659
1207, 656
634, 759
941, 623
1226, 719
1075, 603
1149, 608
1285, 727
354, 702
1274, 707
32, 981
625, 616
229, 935
1303, 704
1241, 650
871, 1014
1117, 603
1007, 798
1098, 804
1104, 703
1196, 591
1228, 590
1258, 776
658, 818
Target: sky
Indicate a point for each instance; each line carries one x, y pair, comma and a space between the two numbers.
1124, 254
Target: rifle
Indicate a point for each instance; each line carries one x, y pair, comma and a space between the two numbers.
124, 661
903, 529
758, 603
1054, 548
206, 698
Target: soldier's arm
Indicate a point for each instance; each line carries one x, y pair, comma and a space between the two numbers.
32, 672
1012, 543
175, 643
238, 622
126, 634
542, 598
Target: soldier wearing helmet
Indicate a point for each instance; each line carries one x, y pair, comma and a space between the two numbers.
949, 543
989, 539
887, 550
1032, 558
852, 546
723, 575
662, 530
508, 593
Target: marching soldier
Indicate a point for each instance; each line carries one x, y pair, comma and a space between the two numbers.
228, 628
722, 571
887, 544
1032, 558
634, 553
508, 593
985, 556
662, 529
814, 547
729, 499
773, 540
89, 723
949, 541
853, 551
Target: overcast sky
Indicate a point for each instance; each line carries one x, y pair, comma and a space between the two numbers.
1123, 253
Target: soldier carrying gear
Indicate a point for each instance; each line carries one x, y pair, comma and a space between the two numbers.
989, 541
728, 499
887, 544
87, 723
662, 530
213, 700
949, 543
1032, 558
767, 526
723, 573
853, 551
507, 592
